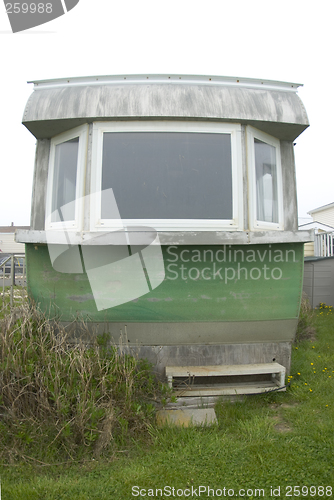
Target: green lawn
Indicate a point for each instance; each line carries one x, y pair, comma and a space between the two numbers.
265, 442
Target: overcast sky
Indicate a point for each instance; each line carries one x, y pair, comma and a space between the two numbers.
284, 40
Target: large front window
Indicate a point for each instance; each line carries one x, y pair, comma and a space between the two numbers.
170, 176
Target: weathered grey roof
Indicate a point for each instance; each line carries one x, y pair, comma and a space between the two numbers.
59, 105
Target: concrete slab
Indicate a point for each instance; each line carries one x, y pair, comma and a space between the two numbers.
187, 416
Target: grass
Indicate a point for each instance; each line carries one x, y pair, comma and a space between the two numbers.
266, 441
63, 401
19, 298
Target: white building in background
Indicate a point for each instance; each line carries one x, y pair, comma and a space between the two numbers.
323, 226
8, 244
319, 262
324, 215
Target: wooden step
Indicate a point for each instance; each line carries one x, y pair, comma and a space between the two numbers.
189, 386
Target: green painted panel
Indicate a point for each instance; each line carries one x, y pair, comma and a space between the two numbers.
202, 283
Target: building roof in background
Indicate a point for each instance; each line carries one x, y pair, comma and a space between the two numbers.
12, 229
316, 225
319, 209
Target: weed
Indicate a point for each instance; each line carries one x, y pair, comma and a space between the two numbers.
305, 328
80, 399
324, 309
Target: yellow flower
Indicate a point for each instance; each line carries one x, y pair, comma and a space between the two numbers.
310, 390
298, 373
311, 363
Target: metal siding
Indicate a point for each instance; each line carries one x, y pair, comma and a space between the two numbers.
37, 219
309, 249
181, 237
325, 216
244, 300
9, 245
289, 186
319, 281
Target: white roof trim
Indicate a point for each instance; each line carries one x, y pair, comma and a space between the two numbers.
167, 79
316, 225
324, 207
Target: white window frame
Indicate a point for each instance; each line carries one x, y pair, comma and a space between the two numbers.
255, 224
75, 224
235, 224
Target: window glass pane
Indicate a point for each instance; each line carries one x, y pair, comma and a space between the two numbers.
266, 182
64, 180
160, 175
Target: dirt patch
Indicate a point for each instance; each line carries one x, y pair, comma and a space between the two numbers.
289, 405
280, 424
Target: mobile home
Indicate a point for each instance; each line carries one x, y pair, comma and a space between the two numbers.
164, 206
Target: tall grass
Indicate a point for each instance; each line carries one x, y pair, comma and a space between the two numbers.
64, 401
306, 322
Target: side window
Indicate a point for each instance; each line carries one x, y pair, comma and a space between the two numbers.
265, 185
65, 181
266, 182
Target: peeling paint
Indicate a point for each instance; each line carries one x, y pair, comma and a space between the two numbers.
49, 276
81, 298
